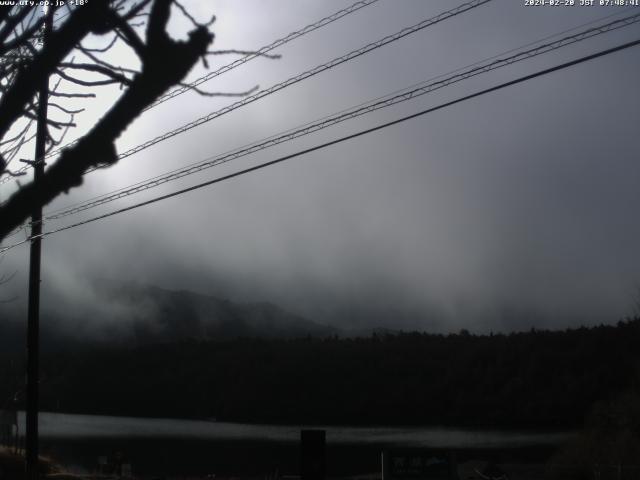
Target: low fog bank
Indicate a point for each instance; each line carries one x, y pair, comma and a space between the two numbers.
510, 211
136, 314
77, 309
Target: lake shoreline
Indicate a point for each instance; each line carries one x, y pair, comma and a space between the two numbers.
174, 447
73, 425
153, 457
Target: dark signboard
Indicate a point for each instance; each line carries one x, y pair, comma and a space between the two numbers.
423, 464
312, 454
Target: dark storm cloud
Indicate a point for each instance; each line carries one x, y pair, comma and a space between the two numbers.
511, 210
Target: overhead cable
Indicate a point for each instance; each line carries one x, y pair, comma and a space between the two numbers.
230, 66
263, 50
300, 77
342, 116
336, 141
464, 72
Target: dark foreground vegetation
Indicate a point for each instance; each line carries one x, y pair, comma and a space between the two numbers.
546, 379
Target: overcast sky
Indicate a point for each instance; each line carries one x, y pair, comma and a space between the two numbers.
512, 210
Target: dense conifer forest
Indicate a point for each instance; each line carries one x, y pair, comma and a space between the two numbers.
546, 379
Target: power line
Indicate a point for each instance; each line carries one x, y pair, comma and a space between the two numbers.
342, 116
361, 109
308, 74
263, 50
339, 140
241, 61
381, 102
226, 68
300, 77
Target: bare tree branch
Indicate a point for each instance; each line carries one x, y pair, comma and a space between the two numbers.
102, 69
195, 23
72, 95
111, 43
11, 21
22, 39
61, 42
165, 62
135, 10
66, 110
115, 78
129, 36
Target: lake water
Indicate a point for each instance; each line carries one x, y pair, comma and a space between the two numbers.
171, 446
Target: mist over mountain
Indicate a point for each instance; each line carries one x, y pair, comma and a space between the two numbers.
107, 311
141, 314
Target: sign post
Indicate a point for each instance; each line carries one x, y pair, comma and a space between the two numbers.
312, 455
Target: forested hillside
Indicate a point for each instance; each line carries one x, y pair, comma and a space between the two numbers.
537, 378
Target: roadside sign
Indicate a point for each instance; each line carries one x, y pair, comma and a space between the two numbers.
419, 464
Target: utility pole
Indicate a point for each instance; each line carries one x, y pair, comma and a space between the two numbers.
33, 313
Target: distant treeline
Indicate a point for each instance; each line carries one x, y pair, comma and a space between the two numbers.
533, 379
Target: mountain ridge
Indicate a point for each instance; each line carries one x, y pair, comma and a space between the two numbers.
141, 314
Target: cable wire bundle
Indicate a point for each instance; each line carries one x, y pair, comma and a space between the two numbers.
336, 141
345, 115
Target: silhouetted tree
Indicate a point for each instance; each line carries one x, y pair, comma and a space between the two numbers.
543, 379
141, 25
